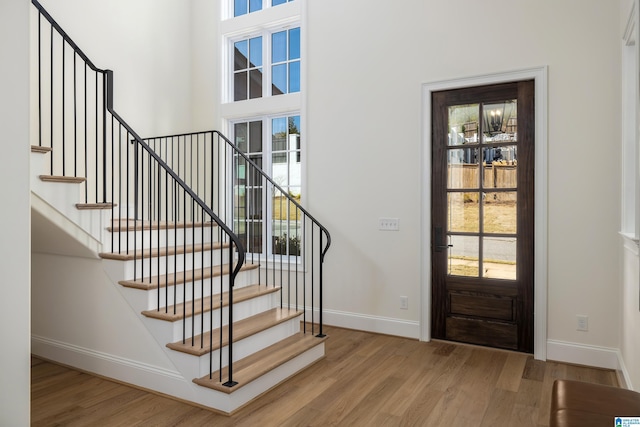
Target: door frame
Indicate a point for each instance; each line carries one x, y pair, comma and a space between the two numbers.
539, 75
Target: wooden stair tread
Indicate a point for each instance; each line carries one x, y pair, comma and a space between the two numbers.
262, 362
181, 277
239, 295
241, 329
95, 206
40, 149
136, 225
160, 252
63, 179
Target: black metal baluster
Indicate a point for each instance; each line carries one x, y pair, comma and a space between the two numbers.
149, 210
320, 335
313, 323
158, 255
220, 239
230, 382
202, 280
297, 255
193, 271
211, 256
304, 276
119, 188
51, 101
176, 202
104, 139
75, 119
40, 79
112, 166
184, 270
135, 211
63, 111
86, 136
97, 149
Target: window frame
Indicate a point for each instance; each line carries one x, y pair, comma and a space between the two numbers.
230, 11
267, 166
266, 34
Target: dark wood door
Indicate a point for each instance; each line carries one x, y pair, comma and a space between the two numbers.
482, 240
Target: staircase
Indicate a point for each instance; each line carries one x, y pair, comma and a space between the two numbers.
233, 322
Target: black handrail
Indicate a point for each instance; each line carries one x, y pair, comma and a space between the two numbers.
253, 186
144, 199
277, 187
264, 175
172, 173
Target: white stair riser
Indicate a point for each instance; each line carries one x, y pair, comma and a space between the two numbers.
252, 344
142, 300
130, 240
198, 366
165, 331
231, 402
174, 263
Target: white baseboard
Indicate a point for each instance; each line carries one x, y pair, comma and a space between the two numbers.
377, 324
625, 374
107, 365
588, 355
581, 354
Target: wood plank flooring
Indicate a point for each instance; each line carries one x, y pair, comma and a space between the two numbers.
365, 380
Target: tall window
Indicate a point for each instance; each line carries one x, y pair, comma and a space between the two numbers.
261, 107
285, 60
247, 69
281, 159
283, 63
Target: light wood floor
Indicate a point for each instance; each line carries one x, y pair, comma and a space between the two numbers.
365, 380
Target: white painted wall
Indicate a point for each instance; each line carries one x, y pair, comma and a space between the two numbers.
205, 59
15, 224
365, 71
96, 320
147, 45
630, 297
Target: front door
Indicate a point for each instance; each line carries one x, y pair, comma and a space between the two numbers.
482, 205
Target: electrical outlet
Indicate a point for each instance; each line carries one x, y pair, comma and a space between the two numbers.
404, 303
388, 224
583, 323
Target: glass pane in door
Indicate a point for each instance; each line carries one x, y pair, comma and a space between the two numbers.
463, 124
464, 212
464, 256
500, 167
499, 257
463, 168
499, 212
500, 121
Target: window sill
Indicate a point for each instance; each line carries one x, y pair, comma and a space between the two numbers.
287, 264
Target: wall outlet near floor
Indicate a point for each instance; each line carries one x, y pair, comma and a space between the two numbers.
583, 323
404, 303
388, 224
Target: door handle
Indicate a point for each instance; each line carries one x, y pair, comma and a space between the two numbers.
438, 238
